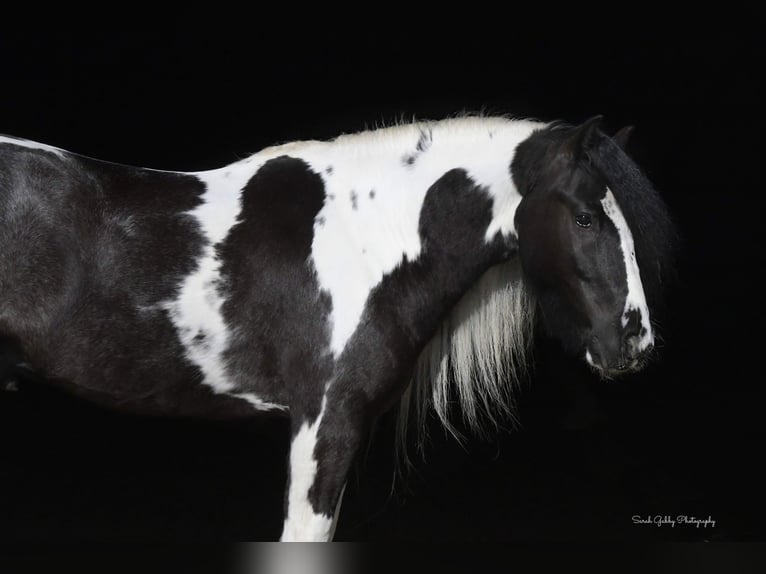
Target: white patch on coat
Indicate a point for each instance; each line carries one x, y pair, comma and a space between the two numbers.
369, 223
197, 308
302, 524
635, 300
31, 145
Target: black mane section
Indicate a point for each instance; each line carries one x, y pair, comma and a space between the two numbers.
654, 233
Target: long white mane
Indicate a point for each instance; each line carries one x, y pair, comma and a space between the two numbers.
475, 361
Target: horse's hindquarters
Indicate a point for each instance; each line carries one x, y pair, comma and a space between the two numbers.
90, 255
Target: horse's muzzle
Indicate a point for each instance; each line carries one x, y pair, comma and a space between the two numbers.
615, 360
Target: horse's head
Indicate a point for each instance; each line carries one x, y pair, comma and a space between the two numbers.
586, 227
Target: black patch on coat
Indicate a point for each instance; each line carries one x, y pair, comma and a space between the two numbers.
273, 303
401, 315
89, 251
372, 194
329, 170
409, 159
354, 200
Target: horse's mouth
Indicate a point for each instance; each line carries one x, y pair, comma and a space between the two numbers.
611, 372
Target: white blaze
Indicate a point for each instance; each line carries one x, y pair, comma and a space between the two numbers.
636, 300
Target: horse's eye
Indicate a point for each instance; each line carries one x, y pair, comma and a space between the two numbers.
583, 220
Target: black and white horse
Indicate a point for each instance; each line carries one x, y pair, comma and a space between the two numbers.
328, 280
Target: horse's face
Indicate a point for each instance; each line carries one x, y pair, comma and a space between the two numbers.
577, 252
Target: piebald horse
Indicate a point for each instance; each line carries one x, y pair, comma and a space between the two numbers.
329, 280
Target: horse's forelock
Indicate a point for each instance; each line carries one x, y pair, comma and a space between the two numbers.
646, 214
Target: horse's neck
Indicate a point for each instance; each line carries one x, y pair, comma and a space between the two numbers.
425, 209
376, 182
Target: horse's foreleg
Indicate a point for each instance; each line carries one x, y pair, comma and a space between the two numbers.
321, 454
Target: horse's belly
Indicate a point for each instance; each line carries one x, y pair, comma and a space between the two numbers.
119, 361
161, 397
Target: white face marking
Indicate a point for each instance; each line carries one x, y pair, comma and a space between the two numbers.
197, 309
635, 301
31, 145
359, 236
589, 359
302, 524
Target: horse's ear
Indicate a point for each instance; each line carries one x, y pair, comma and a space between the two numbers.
622, 136
583, 137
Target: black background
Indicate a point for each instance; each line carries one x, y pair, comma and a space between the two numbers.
683, 438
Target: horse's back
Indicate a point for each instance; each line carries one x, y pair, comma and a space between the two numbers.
89, 254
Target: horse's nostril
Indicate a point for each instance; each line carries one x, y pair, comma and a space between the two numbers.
631, 347
593, 358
